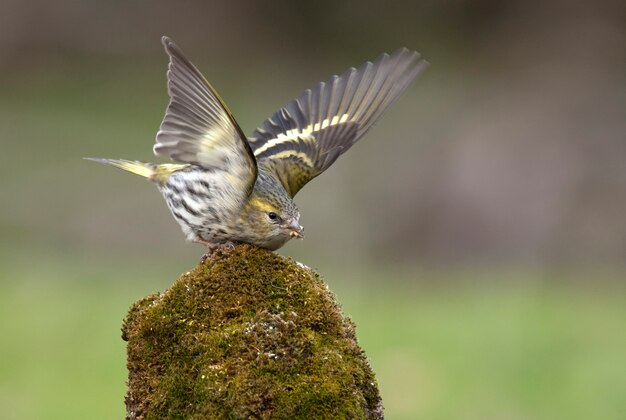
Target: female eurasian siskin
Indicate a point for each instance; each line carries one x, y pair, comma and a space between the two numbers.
230, 188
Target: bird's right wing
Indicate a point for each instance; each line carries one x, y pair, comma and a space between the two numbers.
302, 139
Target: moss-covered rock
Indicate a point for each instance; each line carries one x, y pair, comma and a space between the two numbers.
246, 334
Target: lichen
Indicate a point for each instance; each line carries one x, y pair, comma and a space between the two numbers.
246, 334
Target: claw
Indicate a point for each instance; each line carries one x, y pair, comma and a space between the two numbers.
213, 247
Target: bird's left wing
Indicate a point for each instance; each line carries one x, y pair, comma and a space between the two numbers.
302, 139
198, 128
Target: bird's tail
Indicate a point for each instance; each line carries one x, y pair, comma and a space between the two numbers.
151, 171
146, 170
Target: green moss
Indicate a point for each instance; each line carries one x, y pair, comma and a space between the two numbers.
246, 334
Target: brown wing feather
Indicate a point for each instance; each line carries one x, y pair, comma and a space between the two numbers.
302, 139
198, 128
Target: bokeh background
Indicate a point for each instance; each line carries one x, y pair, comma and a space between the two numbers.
477, 235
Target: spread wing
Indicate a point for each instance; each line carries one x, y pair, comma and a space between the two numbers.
198, 128
302, 139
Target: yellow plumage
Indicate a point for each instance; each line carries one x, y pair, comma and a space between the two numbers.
155, 173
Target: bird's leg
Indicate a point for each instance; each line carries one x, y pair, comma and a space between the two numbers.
212, 247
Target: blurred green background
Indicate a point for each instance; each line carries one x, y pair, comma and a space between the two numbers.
477, 235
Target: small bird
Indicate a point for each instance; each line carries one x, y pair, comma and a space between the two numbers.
227, 188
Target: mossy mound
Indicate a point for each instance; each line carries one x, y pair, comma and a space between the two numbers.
246, 334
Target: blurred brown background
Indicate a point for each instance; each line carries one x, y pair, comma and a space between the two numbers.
511, 147
506, 160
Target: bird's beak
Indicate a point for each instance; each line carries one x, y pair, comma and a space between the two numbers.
294, 228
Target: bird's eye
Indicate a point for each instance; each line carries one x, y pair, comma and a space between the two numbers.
272, 215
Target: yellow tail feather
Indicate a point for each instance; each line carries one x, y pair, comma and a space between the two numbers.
146, 170
151, 171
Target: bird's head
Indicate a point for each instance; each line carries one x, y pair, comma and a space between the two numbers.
273, 217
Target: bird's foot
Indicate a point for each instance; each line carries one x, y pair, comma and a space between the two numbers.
213, 248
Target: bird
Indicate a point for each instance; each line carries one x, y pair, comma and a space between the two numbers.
226, 188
